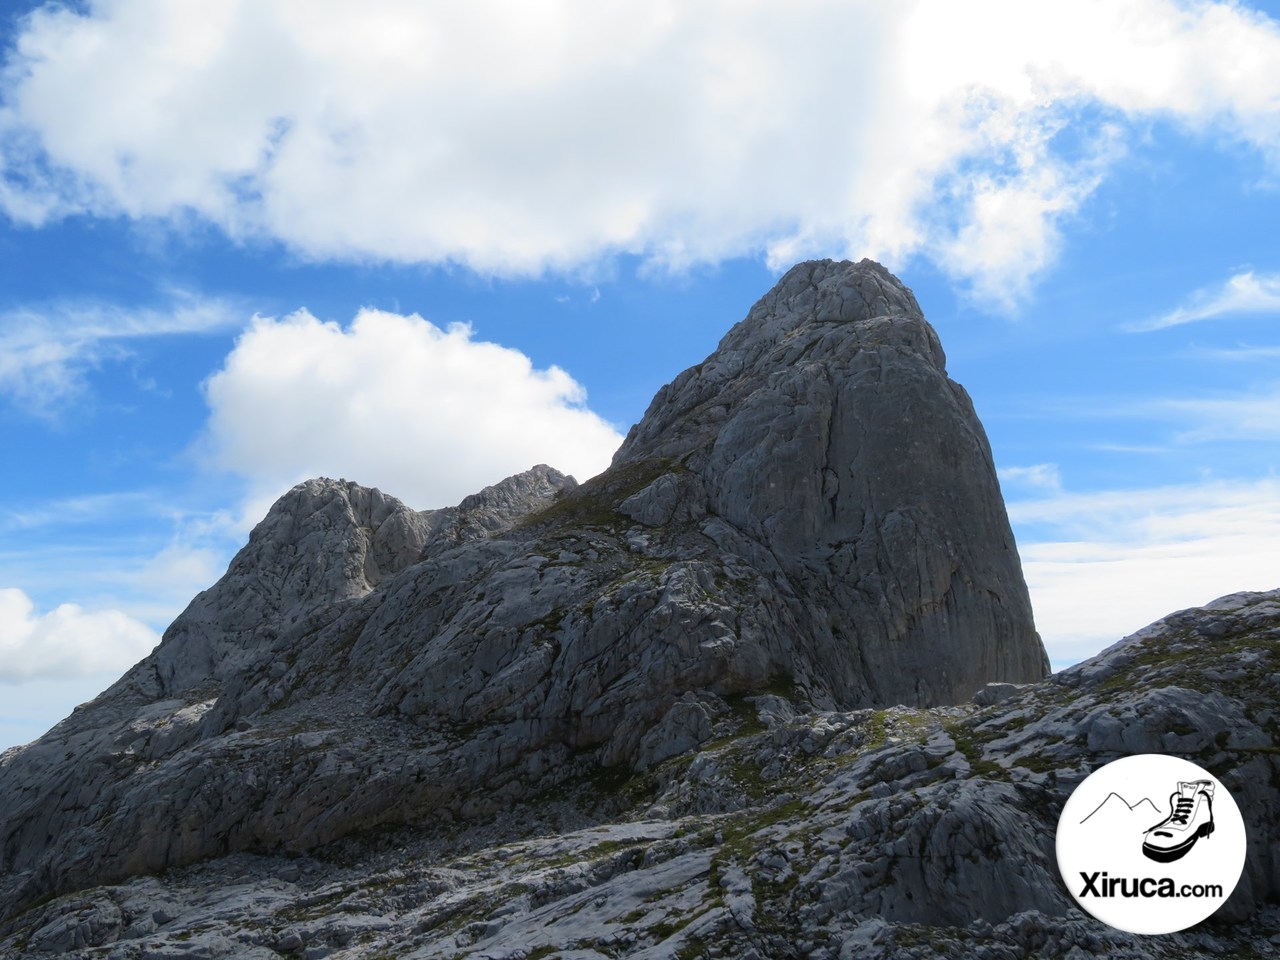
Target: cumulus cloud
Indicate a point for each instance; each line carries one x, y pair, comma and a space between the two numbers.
1101, 565
516, 138
427, 414
46, 351
1244, 293
68, 641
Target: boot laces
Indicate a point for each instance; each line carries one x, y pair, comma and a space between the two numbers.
1183, 810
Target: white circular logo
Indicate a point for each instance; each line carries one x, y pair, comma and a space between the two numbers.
1151, 844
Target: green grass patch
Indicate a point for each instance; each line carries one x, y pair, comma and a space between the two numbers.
971, 747
595, 503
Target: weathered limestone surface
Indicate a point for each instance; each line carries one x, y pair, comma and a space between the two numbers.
883, 833
811, 510
824, 429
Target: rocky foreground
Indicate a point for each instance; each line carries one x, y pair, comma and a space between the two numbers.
769, 686
898, 832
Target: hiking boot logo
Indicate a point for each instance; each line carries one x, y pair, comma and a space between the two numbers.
1190, 818
1126, 858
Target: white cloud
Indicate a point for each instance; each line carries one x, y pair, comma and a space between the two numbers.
1244, 293
426, 414
45, 352
1142, 449
1101, 565
84, 509
1244, 352
515, 138
1039, 476
1250, 414
1253, 415
67, 641
144, 553
1009, 231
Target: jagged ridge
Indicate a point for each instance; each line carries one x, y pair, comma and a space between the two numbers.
813, 508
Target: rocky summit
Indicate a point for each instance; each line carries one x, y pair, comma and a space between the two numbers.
768, 686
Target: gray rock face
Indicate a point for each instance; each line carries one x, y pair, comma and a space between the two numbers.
825, 429
884, 833
812, 510
323, 543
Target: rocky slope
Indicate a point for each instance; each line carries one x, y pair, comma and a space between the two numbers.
803, 529
813, 506
793, 833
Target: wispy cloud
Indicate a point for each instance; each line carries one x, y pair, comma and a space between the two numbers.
1040, 476
1103, 564
1244, 293
47, 350
86, 509
1250, 414
740, 134
143, 552
1253, 415
1244, 353
1144, 449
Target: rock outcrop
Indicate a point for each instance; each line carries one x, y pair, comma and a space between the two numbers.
824, 435
811, 514
882, 833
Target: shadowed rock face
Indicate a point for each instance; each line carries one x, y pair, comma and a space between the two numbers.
825, 429
812, 508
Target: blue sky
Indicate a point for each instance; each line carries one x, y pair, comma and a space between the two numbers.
425, 246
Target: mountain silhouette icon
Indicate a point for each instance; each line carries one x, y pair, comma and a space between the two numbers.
1117, 808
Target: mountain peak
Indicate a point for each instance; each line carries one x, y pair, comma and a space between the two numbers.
813, 509
819, 311
828, 291
862, 298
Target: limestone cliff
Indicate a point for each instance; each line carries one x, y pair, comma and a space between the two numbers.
812, 510
826, 434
